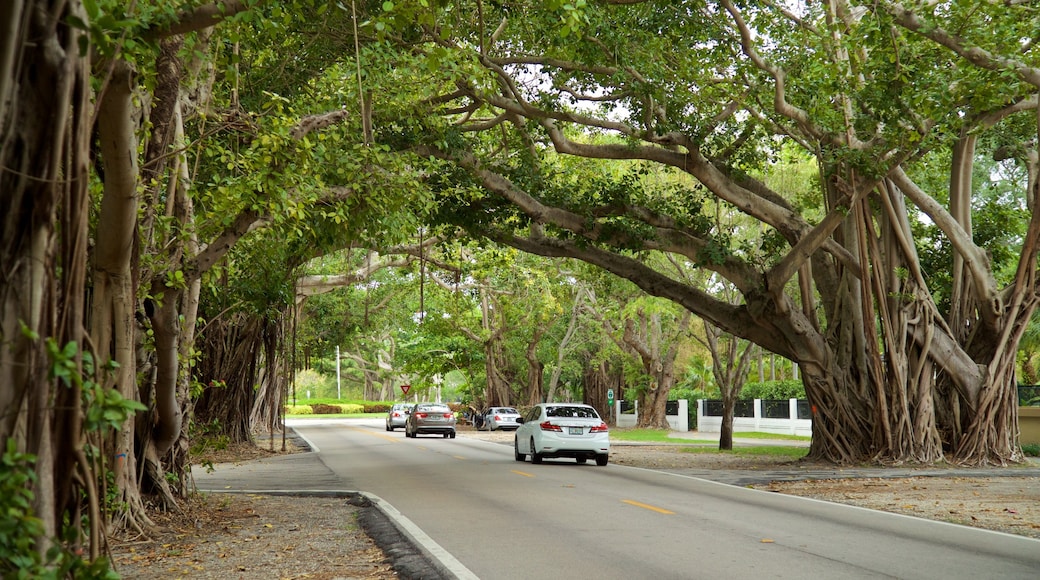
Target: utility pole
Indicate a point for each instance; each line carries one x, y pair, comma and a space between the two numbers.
338, 394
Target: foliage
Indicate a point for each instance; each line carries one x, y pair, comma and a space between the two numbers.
20, 529
773, 390
1031, 449
1029, 395
105, 408
769, 390
207, 436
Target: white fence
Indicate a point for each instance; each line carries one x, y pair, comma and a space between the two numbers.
758, 423
678, 422
713, 424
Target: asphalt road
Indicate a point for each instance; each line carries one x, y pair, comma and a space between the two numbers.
490, 517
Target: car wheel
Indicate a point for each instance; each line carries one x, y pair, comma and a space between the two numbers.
491, 427
536, 457
516, 451
452, 434
580, 459
601, 460
389, 428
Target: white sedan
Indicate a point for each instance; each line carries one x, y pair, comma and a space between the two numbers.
550, 430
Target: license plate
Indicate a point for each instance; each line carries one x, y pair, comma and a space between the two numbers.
575, 430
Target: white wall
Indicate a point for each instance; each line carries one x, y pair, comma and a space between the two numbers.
680, 422
756, 423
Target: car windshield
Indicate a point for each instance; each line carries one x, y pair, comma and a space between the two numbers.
583, 412
506, 411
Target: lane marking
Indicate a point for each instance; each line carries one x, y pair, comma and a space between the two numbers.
459, 457
648, 507
522, 473
380, 435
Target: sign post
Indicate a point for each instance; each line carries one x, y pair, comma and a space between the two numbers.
610, 403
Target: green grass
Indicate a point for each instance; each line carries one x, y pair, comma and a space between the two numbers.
769, 450
777, 436
649, 435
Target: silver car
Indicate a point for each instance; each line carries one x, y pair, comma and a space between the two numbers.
397, 415
435, 418
562, 430
497, 418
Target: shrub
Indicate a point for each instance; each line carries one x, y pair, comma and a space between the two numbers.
325, 409
21, 530
1031, 450
790, 389
297, 409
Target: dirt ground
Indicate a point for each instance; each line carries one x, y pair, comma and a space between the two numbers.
254, 536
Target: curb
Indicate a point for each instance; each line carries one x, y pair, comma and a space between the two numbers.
413, 554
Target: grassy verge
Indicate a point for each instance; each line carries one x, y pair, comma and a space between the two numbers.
777, 436
660, 436
761, 450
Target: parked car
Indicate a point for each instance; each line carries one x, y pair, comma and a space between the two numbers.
501, 418
430, 418
550, 430
397, 415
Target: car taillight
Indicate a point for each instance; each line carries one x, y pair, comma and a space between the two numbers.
421, 415
601, 428
396, 414
447, 415
497, 418
548, 426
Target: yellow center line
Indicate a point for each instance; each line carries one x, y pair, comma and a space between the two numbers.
459, 457
522, 473
649, 507
380, 435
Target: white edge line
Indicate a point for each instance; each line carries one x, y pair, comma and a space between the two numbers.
813, 499
420, 539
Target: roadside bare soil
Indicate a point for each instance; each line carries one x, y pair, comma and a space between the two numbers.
253, 536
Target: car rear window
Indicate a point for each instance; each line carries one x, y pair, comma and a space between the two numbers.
435, 408
583, 412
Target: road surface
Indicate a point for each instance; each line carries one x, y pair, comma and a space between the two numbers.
500, 519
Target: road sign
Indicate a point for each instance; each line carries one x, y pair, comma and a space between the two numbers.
405, 388
610, 396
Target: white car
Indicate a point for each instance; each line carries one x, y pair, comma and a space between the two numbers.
500, 418
550, 430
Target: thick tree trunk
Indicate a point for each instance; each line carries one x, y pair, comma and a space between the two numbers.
652, 406
597, 379
657, 354
113, 326
229, 367
729, 403
535, 370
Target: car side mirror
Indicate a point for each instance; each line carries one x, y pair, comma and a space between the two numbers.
519, 419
